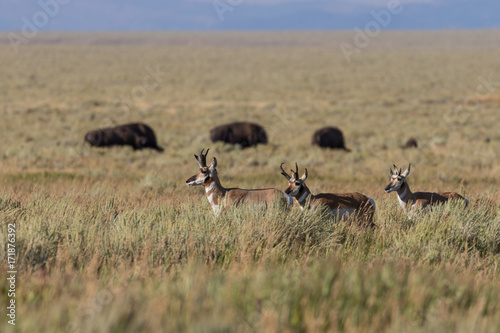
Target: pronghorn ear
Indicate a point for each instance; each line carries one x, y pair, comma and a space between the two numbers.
407, 171
304, 176
213, 165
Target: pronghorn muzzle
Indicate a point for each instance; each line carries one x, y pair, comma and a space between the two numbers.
389, 188
394, 185
193, 181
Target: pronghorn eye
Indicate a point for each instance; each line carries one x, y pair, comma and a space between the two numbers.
297, 183
400, 179
203, 171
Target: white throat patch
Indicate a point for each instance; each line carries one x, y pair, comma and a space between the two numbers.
400, 198
303, 196
403, 203
294, 192
209, 188
402, 195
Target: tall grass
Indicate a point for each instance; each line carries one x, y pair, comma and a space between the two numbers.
96, 263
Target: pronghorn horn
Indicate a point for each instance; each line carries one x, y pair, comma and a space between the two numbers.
202, 159
395, 171
296, 169
287, 176
198, 160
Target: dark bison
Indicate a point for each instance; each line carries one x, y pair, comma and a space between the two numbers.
329, 137
411, 143
137, 135
244, 133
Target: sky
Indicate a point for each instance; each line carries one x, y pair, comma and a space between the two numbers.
112, 15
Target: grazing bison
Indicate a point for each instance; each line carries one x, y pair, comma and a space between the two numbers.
244, 133
411, 143
137, 135
329, 137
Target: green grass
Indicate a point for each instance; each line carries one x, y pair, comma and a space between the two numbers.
111, 240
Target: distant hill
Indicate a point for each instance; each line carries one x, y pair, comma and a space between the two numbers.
246, 15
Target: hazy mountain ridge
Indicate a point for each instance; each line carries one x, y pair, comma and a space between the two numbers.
223, 15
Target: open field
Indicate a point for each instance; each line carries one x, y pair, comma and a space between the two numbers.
114, 241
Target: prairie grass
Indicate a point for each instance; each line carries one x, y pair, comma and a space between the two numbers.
98, 263
114, 241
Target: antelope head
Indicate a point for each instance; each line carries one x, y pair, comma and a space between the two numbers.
206, 173
397, 179
295, 184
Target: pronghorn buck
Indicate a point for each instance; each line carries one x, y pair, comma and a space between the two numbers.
220, 197
341, 205
417, 200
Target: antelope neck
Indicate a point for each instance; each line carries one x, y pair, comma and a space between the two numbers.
214, 190
404, 193
301, 197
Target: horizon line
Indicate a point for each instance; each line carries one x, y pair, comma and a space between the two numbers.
248, 30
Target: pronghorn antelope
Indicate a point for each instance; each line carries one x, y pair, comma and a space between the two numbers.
341, 205
417, 200
220, 197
